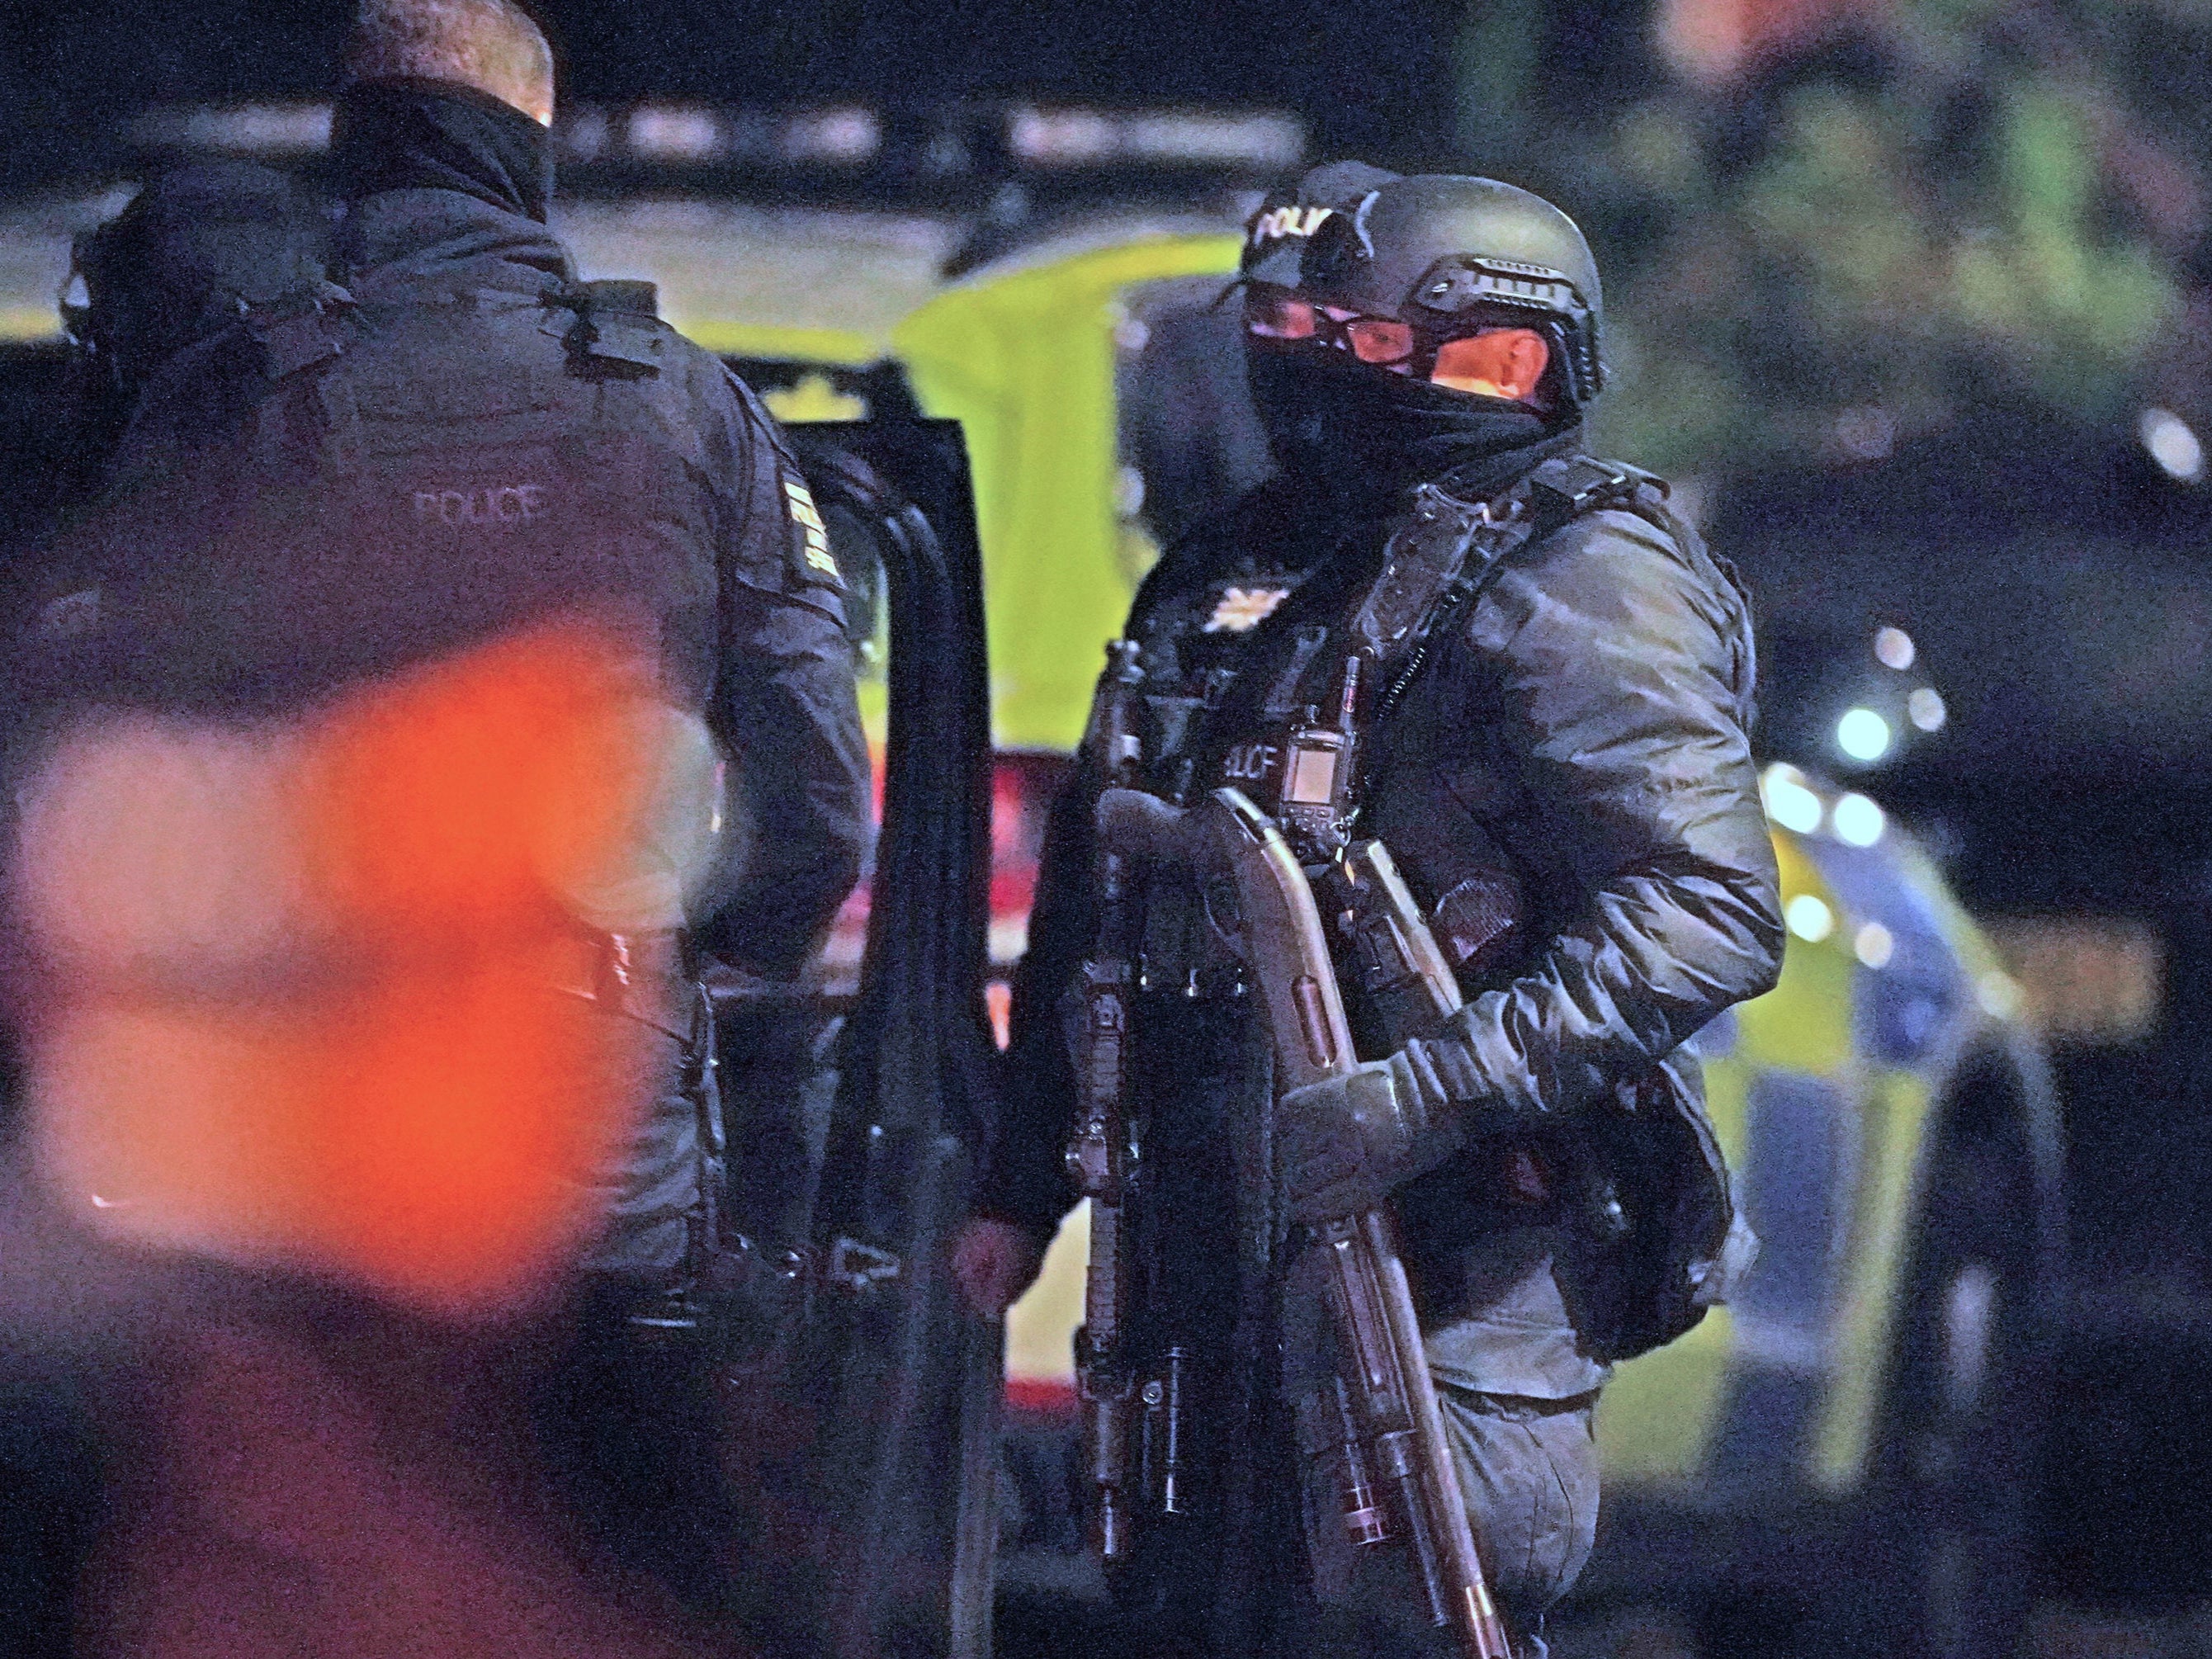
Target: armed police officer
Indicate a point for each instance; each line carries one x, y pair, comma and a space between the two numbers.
1536, 685
453, 438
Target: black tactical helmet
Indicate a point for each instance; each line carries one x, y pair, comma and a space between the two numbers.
1439, 250
181, 261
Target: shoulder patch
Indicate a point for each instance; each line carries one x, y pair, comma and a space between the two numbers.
1241, 610
810, 536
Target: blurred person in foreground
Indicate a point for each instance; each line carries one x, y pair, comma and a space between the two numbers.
450, 439
1548, 683
312, 1133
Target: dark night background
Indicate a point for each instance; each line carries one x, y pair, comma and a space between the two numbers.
1372, 76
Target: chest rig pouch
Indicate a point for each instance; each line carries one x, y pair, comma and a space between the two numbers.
1289, 725
1336, 684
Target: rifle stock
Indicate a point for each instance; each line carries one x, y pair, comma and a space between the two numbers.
1257, 895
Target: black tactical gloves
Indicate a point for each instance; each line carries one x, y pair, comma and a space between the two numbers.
1342, 1146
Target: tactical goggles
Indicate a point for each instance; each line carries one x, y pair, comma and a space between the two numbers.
1283, 317
1275, 314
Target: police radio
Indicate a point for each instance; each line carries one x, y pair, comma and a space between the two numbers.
1318, 764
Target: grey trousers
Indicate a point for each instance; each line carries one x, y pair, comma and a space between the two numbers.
1529, 1470
1518, 1400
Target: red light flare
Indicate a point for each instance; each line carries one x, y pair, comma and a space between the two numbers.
298, 998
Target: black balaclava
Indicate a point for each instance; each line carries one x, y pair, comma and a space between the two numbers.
439, 134
1358, 433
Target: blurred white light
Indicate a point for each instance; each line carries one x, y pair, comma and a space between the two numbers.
1893, 648
1256, 140
1063, 137
1075, 137
2171, 445
1862, 734
1873, 945
1858, 822
1788, 802
1810, 918
1924, 708
833, 135
238, 129
1998, 995
677, 132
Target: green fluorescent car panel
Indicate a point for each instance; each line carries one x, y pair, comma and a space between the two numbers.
1024, 361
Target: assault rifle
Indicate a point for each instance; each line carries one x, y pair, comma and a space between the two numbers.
1101, 1156
1102, 1153
1399, 1479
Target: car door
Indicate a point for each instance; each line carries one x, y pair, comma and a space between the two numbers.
865, 1421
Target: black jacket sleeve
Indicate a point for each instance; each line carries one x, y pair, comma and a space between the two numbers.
1617, 666
785, 709
1024, 1178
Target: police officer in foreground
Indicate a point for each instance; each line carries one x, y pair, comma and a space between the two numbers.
1554, 749
453, 438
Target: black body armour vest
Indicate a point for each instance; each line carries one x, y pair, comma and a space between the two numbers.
1280, 683
390, 498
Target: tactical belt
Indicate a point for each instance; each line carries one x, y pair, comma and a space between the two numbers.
633, 974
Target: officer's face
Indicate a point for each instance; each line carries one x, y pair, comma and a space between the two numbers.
1492, 362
